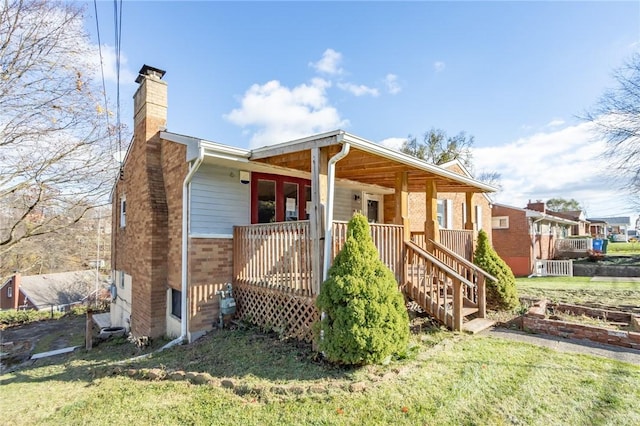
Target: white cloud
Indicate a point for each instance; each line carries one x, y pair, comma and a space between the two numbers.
564, 163
109, 62
555, 122
359, 89
393, 87
329, 63
393, 143
277, 113
439, 66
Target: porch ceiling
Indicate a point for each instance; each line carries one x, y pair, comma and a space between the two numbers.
366, 167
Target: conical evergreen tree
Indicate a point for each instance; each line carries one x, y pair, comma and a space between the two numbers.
501, 294
365, 319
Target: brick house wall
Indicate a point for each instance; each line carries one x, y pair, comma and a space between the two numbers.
210, 269
11, 287
141, 246
513, 244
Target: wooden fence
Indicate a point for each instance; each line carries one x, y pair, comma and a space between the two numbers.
274, 255
460, 241
388, 239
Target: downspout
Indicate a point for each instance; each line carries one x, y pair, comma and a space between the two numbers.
185, 241
533, 244
328, 232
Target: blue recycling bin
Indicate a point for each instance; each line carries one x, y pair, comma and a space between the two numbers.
597, 244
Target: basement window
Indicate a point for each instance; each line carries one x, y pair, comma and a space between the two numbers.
176, 303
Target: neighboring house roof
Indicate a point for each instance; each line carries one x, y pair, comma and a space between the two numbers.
537, 215
466, 172
59, 288
622, 220
576, 215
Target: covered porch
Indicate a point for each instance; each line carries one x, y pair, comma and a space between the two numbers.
279, 267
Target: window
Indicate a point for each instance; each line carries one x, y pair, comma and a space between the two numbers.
479, 217
276, 198
176, 303
10, 290
500, 222
121, 279
123, 211
445, 214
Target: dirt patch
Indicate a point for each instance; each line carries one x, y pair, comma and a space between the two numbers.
20, 342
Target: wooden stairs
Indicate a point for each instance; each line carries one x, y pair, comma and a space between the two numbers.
447, 287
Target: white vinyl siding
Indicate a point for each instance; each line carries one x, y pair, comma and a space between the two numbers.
218, 201
345, 203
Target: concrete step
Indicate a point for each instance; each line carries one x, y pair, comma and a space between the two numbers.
477, 325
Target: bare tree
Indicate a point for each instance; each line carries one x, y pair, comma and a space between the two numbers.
617, 119
55, 162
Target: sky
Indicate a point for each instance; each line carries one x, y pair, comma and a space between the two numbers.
517, 76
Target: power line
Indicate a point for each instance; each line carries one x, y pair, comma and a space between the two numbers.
117, 18
104, 86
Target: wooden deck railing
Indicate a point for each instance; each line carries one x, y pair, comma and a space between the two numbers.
475, 295
388, 241
436, 287
274, 255
574, 244
460, 241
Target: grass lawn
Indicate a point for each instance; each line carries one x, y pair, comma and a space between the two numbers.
581, 290
623, 248
448, 379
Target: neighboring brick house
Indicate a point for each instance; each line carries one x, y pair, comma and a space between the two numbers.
180, 200
58, 291
522, 236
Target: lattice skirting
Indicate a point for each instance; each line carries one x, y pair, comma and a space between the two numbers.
287, 314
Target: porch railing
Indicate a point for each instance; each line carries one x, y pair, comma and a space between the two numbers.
388, 239
475, 294
460, 241
274, 255
574, 244
554, 268
436, 287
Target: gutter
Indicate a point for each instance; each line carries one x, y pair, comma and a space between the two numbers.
328, 238
185, 241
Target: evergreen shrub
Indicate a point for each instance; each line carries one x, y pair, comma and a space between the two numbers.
501, 295
364, 316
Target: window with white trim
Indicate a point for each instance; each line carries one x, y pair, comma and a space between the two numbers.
123, 211
479, 217
445, 214
500, 222
10, 290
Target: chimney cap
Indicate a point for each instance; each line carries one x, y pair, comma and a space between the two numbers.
149, 70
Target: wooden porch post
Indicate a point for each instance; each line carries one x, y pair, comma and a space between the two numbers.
468, 220
402, 204
319, 168
457, 305
431, 227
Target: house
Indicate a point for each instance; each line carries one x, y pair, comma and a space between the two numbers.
191, 216
614, 228
56, 291
523, 236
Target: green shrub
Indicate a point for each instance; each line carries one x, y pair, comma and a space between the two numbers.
502, 294
11, 317
365, 320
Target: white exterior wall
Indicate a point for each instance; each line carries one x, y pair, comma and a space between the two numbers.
218, 201
345, 204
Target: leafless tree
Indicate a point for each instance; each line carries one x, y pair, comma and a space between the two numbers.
55, 159
616, 118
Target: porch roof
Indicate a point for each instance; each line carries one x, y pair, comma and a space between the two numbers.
367, 162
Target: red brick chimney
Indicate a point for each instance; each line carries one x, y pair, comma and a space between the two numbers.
538, 206
16, 289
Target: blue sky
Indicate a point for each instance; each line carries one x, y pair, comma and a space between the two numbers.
515, 75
